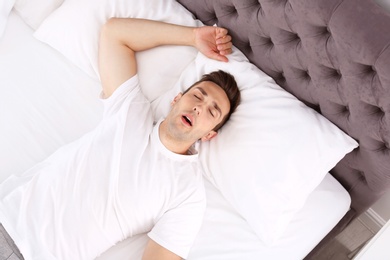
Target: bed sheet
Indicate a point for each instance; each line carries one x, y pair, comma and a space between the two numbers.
40, 88
46, 102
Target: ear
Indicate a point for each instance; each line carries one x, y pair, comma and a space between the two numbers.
177, 98
209, 136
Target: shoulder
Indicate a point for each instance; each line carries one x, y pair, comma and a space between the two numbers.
127, 97
123, 89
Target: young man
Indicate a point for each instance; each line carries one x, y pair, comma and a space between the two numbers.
127, 176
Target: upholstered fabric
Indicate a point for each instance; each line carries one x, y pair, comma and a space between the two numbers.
334, 55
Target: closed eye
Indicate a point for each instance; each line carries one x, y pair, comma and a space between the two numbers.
211, 113
197, 97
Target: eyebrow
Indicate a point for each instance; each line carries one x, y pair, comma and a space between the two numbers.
204, 93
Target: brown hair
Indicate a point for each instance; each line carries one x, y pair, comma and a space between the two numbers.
227, 82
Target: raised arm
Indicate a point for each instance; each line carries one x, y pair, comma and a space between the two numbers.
121, 37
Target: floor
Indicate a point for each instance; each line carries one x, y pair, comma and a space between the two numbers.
348, 243
8, 250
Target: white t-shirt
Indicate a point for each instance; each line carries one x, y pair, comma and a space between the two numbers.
116, 181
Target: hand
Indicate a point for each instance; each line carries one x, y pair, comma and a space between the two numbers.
213, 42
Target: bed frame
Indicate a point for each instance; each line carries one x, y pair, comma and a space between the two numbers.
334, 55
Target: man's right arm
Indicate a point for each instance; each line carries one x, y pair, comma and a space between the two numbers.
120, 38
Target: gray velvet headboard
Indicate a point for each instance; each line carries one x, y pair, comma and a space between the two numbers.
334, 55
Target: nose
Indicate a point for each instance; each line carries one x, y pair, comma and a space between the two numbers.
197, 109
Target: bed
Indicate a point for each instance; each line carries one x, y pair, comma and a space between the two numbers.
306, 152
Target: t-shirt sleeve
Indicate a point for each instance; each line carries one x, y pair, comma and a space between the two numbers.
126, 93
177, 229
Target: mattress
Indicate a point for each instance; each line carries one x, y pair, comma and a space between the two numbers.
47, 102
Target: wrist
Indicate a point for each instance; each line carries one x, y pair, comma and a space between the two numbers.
195, 31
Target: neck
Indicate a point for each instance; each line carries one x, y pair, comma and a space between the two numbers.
172, 143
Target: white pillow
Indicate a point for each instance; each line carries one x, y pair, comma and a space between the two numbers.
33, 12
5, 9
74, 28
272, 153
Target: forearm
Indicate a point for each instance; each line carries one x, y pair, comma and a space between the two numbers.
140, 34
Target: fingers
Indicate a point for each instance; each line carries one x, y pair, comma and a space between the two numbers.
224, 45
223, 42
219, 57
221, 32
222, 58
224, 39
214, 42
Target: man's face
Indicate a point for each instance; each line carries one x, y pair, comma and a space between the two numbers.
195, 114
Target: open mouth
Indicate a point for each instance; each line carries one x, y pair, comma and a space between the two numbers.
187, 120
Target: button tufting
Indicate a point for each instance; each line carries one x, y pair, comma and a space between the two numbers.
373, 110
362, 176
378, 110
281, 77
368, 69
384, 147
306, 74
346, 111
336, 73
381, 112
229, 8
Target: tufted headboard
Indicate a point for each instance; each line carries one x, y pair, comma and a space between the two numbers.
334, 55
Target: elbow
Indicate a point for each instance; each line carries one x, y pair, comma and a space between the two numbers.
110, 32
108, 28
114, 28
111, 22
